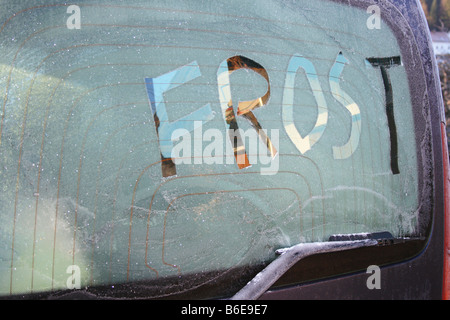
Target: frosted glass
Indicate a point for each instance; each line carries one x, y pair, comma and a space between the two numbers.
87, 174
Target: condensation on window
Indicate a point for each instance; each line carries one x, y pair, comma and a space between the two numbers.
117, 153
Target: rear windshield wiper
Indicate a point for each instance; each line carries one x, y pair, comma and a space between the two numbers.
288, 257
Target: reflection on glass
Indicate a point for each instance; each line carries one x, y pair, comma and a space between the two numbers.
303, 144
245, 108
340, 95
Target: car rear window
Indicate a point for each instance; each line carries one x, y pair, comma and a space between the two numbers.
174, 143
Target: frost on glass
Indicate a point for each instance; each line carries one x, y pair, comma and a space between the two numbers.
82, 152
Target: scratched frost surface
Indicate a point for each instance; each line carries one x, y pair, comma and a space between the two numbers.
88, 116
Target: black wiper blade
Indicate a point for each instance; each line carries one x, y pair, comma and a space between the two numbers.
361, 236
288, 257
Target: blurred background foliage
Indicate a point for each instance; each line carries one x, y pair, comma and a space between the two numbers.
438, 14
438, 17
